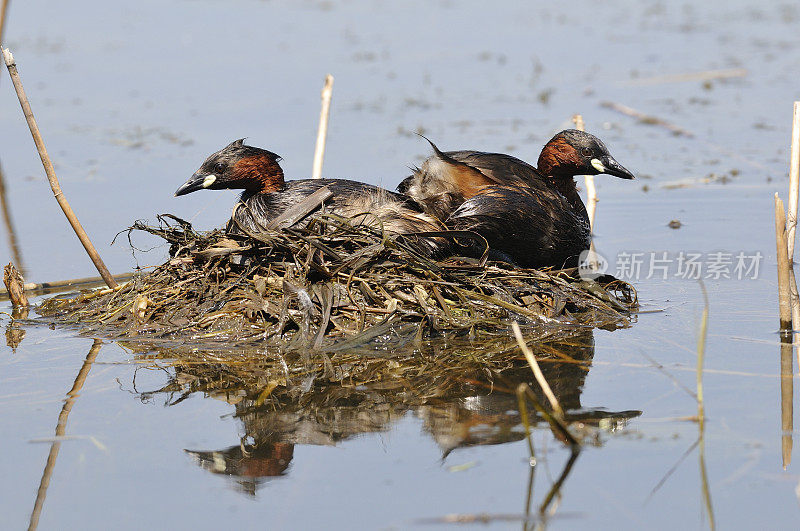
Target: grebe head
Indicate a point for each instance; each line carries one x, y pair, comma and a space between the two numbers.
572, 152
237, 166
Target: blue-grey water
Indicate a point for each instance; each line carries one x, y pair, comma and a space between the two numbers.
131, 97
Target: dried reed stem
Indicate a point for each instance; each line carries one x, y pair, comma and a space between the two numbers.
794, 179
794, 299
66, 285
537, 372
794, 189
3, 9
783, 267
705, 75
15, 286
322, 131
51, 174
701, 350
591, 191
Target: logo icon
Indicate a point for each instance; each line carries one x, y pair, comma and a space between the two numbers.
591, 265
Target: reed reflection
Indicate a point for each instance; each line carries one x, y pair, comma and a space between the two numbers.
787, 391
60, 432
8, 222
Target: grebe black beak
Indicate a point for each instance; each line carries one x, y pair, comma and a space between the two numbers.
198, 181
609, 166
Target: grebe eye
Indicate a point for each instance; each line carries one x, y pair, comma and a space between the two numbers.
586, 152
219, 168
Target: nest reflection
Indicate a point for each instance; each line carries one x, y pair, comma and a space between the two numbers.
467, 406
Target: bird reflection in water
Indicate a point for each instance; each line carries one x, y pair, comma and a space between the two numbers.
457, 411
250, 465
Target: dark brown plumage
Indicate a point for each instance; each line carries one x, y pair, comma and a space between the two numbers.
531, 216
266, 195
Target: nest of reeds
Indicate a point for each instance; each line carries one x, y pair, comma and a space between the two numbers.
332, 284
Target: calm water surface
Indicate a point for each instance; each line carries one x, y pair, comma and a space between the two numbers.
131, 98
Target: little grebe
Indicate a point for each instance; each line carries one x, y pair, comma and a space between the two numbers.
266, 195
533, 217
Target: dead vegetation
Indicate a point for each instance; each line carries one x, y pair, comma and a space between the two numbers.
333, 285
336, 302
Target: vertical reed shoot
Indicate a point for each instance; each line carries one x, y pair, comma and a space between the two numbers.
794, 179
783, 267
322, 130
591, 191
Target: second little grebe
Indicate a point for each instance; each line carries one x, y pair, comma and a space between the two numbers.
533, 217
266, 194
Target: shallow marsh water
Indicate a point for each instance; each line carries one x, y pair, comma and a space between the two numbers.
131, 98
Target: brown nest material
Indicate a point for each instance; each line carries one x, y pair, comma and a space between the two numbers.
331, 285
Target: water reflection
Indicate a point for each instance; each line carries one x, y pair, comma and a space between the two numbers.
457, 410
8, 222
249, 465
61, 429
787, 391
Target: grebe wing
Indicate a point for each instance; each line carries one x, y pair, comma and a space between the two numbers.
498, 167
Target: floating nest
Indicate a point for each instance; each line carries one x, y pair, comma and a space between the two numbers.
336, 310
332, 285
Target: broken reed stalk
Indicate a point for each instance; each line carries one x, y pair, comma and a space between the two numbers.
537, 372
794, 179
322, 131
66, 285
591, 191
15, 286
51, 173
783, 267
